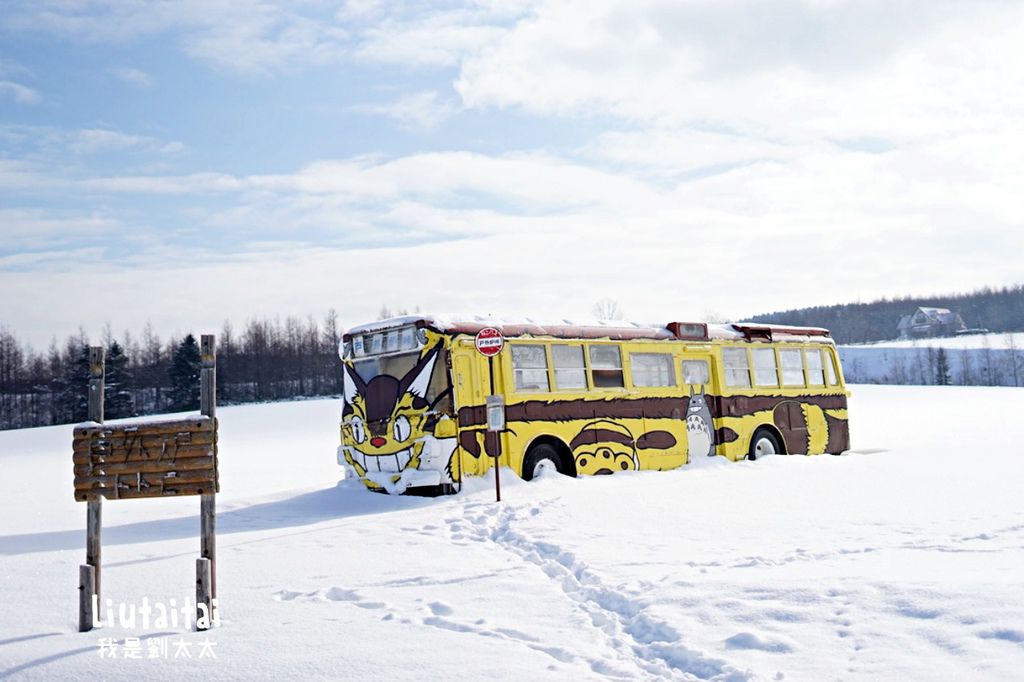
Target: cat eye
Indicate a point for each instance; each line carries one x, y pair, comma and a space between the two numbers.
358, 432
402, 428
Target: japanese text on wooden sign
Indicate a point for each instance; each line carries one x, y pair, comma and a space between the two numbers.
150, 459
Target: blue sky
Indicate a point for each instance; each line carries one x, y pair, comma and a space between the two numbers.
184, 162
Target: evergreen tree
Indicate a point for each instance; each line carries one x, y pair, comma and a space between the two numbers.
73, 384
184, 376
117, 400
942, 377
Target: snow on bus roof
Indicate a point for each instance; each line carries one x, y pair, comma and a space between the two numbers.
591, 328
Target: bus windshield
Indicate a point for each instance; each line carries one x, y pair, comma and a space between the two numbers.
397, 365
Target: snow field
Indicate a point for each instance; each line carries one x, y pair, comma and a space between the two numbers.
900, 560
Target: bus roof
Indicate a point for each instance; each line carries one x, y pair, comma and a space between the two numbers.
599, 329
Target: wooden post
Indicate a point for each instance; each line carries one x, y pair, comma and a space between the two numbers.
94, 512
204, 596
86, 588
208, 504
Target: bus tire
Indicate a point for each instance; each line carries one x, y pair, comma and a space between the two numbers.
763, 443
541, 458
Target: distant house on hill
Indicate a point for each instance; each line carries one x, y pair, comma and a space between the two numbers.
927, 322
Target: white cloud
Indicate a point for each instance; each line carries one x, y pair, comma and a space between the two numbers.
424, 110
672, 152
830, 224
133, 76
99, 140
9, 67
272, 36
20, 93
61, 258
759, 155
39, 230
441, 40
193, 184
49, 145
266, 39
257, 37
780, 70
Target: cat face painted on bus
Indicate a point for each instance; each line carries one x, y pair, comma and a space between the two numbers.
385, 420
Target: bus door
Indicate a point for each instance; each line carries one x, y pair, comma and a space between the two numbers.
466, 382
698, 385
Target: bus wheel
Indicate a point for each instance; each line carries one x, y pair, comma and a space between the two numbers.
763, 443
540, 460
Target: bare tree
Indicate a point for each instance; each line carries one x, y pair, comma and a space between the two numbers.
966, 369
1014, 361
608, 309
714, 317
986, 356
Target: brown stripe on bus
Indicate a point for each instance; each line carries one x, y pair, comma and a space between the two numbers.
591, 436
742, 405
639, 408
656, 440
726, 435
838, 434
572, 410
468, 441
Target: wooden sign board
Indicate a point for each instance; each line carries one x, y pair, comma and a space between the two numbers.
147, 459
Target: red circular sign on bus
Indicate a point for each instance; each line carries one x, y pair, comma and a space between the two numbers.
489, 341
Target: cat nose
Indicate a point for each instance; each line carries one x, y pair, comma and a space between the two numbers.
377, 442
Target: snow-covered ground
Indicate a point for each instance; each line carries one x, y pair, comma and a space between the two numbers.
971, 360
968, 341
902, 560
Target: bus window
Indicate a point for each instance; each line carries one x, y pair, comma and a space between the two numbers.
737, 369
765, 369
815, 370
569, 369
830, 368
530, 367
792, 363
652, 369
696, 372
606, 367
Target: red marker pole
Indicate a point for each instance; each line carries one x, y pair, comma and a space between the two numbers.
497, 440
489, 342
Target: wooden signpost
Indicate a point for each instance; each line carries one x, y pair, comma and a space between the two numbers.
148, 459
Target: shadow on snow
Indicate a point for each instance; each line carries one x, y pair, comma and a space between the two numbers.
347, 499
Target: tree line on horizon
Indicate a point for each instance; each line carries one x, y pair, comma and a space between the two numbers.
295, 358
267, 360
997, 310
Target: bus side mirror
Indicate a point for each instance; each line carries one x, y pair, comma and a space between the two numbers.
445, 428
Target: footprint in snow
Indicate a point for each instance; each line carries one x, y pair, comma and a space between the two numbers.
748, 640
1005, 634
332, 594
286, 595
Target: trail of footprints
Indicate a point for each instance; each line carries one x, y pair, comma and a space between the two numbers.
637, 645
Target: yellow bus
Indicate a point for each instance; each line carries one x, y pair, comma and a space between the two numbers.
600, 398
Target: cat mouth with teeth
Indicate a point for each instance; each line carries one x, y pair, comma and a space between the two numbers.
386, 463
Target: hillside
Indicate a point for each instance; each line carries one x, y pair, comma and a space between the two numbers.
998, 310
899, 561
